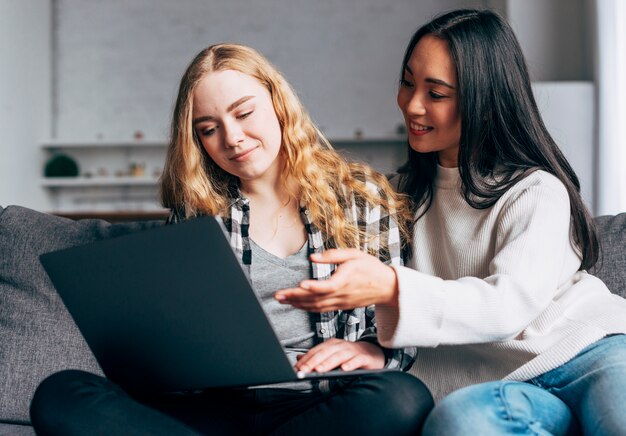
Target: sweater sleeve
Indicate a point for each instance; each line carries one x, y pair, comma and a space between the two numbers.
532, 252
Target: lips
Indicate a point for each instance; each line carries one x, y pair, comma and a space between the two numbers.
419, 129
243, 155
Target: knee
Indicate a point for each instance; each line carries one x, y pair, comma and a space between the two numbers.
502, 407
407, 399
456, 413
408, 390
57, 386
451, 415
57, 395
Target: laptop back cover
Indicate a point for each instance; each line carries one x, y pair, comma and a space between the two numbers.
169, 309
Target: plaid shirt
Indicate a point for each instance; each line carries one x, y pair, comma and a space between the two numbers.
351, 325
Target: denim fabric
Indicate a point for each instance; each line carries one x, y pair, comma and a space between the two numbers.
584, 396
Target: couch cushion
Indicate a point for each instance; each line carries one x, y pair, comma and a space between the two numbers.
612, 265
16, 430
37, 335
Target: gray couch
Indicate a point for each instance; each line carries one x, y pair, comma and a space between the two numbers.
37, 335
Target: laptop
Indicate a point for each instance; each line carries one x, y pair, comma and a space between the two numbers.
171, 309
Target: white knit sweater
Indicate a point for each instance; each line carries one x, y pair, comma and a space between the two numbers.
495, 293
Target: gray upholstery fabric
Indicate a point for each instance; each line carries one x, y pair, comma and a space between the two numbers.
37, 335
16, 430
612, 266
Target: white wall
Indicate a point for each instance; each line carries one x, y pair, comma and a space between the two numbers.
558, 39
568, 110
611, 73
25, 91
119, 62
556, 36
116, 64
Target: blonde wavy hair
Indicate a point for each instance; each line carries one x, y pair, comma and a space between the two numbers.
193, 183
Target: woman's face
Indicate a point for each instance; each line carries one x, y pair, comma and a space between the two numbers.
428, 100
234, 118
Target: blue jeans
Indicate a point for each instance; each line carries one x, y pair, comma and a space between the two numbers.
586, 395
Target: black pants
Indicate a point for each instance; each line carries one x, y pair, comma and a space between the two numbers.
79, 403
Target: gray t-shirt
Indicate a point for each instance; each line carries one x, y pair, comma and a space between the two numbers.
295, 328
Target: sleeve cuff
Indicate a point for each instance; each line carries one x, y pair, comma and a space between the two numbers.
418, 319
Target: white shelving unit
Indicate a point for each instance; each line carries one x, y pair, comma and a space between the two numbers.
91, 145
61, 182
105, 182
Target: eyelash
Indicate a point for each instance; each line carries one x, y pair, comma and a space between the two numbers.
210, 132
405, 83
436, 96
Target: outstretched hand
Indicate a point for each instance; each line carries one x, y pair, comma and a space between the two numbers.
359, 281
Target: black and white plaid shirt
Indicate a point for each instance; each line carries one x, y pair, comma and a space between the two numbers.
351, 325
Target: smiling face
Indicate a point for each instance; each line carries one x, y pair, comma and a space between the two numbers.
234, 118
428, 100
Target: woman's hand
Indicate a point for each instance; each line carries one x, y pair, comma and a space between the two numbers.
359, 281
335, 353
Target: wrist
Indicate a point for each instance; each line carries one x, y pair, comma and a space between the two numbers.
376, 352
392, 291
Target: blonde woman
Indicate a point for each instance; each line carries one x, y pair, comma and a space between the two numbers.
243, 148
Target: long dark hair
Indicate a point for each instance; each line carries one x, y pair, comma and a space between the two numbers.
503, 137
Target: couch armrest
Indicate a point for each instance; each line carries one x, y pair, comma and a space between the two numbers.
611, 267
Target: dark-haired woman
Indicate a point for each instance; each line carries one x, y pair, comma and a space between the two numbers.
496, 295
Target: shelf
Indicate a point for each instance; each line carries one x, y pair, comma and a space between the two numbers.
368, 141
91, 145
108, 193
60, 182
